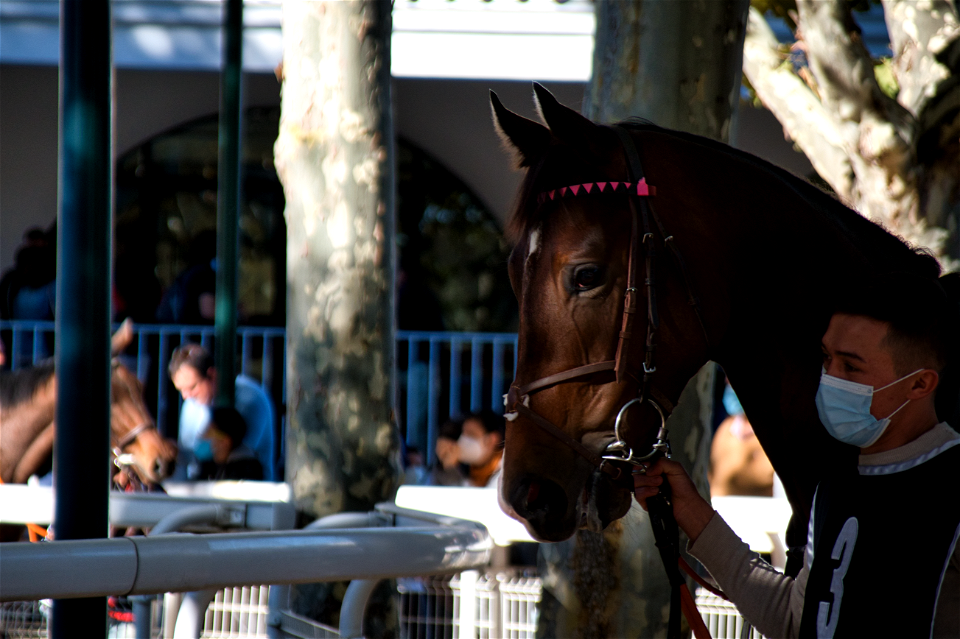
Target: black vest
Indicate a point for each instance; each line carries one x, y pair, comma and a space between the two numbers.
881, 543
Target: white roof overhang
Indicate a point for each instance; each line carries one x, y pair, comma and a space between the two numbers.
496, 39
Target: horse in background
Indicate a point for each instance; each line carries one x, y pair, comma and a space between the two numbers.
28, 399
740, 262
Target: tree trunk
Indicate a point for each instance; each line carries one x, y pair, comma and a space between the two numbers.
678, 65
335, 158
892, 154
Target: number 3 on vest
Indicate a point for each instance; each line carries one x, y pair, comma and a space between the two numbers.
828, 615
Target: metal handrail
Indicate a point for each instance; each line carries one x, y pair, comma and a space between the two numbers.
432, 544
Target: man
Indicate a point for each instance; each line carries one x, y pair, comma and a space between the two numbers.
881, 557
194, 375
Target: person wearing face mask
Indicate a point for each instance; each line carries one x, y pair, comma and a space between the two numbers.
480, 447
194, 375
882, 558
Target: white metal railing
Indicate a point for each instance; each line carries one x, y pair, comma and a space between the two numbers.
184, 562
415, 544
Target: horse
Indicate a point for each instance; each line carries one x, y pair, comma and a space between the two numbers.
718, 255
28, 399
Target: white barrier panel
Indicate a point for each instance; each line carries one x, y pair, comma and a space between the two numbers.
21, 504
476, 504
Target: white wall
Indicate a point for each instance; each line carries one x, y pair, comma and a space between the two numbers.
450, 119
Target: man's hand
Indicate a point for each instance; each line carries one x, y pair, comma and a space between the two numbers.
448, 452
691, 511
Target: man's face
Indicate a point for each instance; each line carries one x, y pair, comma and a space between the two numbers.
852, 351
193, 385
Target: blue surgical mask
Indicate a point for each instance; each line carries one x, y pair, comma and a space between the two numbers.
844, 409
731, 403
202, 451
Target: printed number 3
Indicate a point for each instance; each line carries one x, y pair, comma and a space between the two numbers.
828, 615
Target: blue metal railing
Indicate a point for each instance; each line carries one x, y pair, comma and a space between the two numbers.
439, 374
442, 375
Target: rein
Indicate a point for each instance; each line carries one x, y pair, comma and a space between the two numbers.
130, 437
618, 453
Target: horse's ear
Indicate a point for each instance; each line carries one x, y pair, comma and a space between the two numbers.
565, 124
122, 338
527, 137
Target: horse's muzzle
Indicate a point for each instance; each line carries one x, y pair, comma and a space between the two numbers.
544, 507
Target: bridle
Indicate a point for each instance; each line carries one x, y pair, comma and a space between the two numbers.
618, 454
124, 461
517, 400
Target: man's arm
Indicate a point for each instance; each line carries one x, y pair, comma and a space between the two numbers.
771, 601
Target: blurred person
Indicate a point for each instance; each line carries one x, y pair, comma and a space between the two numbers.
738, 464
193, 373
191, 298
414, 470
447, 469
231, 459
480, 447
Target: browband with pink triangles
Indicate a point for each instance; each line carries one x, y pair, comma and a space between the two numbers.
640, 188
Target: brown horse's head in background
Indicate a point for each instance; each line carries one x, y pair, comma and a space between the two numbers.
133, 430
27, 410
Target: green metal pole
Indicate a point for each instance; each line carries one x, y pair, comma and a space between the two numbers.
84, 221
228, 201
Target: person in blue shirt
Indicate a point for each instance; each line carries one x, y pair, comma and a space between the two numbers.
195, 376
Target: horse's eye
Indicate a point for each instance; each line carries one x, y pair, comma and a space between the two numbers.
586, 278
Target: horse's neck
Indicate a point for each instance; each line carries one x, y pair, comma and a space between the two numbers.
23, 423
786, 272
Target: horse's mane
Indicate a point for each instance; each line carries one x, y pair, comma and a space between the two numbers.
862, 234
20, 386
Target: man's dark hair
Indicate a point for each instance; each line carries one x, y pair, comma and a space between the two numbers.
229, 422
491, 422
924, 318
451, 429
918, 312
193, 355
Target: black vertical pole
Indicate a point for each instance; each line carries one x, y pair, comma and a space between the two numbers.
228, 201
81, 462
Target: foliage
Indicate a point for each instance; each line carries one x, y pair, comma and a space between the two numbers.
452, 252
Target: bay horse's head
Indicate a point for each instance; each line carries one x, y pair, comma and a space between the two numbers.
134, 435
580, 357
133, 432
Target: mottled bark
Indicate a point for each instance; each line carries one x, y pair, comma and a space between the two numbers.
896, 160
334, 155
795, 105
677, 64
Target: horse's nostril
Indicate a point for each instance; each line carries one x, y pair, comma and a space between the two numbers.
533, 491
539, 498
